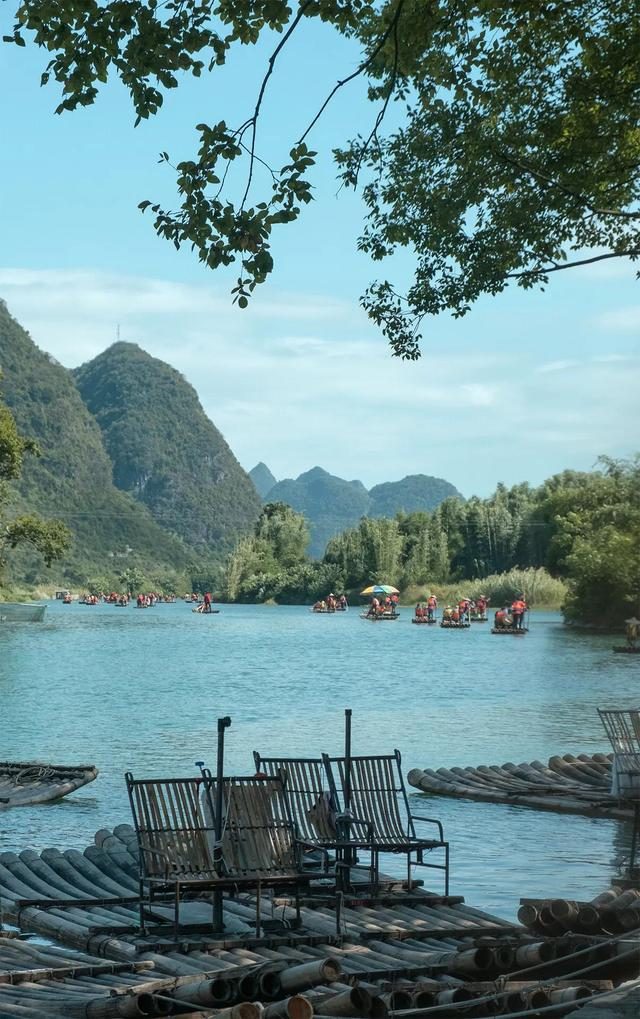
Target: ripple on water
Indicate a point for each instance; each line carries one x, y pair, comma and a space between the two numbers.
142, 691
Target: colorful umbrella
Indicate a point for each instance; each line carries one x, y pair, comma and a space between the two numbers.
380, 589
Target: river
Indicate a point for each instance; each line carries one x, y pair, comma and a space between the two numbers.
141, 690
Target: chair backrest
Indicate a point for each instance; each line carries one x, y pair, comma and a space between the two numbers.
259, 837
375, 791
623, 729
175, 833
307, 791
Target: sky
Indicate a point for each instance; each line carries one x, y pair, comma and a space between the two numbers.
525, 385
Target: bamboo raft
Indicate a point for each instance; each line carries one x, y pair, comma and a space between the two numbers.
378, 618
405, 949
23, 783
447, 624
424, 622
499, 630
567, 785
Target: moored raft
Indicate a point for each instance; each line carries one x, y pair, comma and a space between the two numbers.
568, 784
21, 612
405, 950
23, 783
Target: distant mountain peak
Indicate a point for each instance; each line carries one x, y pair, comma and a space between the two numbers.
165, 451
262, 478
332, 504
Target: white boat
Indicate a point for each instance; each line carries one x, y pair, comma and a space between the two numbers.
21, 612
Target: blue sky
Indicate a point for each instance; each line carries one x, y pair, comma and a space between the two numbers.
525, 385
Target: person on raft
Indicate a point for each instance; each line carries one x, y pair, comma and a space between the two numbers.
432, 605
502, 619
446, 615
518, 609
632, 631
206, 602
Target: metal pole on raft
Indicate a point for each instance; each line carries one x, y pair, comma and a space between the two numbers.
347, 854
223, 723
346, 792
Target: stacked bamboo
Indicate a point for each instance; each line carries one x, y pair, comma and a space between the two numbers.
567, 784
612, 912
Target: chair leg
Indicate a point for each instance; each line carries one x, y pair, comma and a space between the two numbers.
141, 890
446, 869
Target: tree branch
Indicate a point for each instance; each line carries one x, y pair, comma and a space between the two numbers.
253, 121
382, 111
362, 67
570, 192
557, 267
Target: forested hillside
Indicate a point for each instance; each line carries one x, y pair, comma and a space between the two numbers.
165, 452
71, 480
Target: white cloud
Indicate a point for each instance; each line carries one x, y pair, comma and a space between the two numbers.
621, 320
297, 380
556, 366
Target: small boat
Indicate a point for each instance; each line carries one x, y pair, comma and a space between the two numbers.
201, 612
627, 650
423, 621
26, 782
451, 624
510, 629
380, 617
21, 612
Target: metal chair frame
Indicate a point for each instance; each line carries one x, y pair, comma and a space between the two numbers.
174, 821
305, 784
373, 787
622, 726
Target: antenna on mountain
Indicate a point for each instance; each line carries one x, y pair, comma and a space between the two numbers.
118, 333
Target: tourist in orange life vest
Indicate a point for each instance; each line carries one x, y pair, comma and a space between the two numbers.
518, 609
455, 615
463, 609
500, 618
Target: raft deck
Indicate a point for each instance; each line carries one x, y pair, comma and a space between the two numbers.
567, 785
403, 948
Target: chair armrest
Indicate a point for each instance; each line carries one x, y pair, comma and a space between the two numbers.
430, 820
305, 843
348, 819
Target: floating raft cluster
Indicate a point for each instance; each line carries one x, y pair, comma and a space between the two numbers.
403, 950
568, 784
25, 782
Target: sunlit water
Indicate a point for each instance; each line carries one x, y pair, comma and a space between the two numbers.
141, 691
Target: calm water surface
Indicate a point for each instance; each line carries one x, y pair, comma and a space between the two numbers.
141, 691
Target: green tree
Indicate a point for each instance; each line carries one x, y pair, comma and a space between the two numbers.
49, 538
132, 579
513, 155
